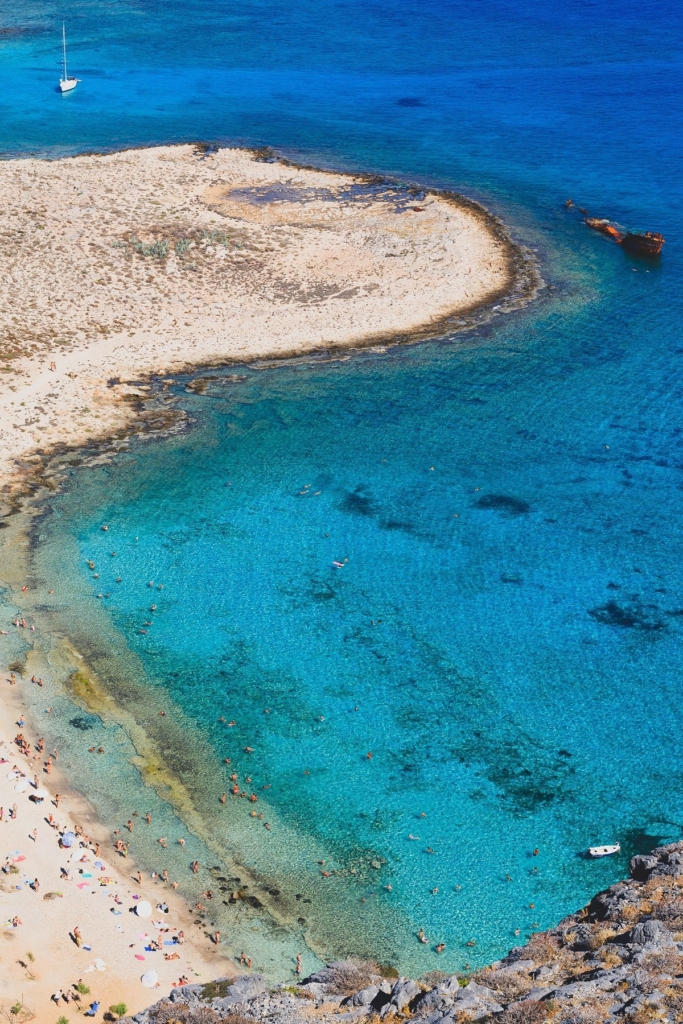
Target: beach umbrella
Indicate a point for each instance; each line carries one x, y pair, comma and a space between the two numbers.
150, 979
12, 775
68, 839
143, 909
42, 794
21, 785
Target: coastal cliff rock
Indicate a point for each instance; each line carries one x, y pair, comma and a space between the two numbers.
618, 959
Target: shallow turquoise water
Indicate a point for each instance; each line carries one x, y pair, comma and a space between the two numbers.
508, 621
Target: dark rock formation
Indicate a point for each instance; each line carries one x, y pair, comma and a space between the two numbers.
617, 961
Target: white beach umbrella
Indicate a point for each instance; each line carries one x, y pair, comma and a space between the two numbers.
21, 785
143, 909
150, 979
12, 775
42, 794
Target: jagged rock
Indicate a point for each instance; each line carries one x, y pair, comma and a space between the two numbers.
246, 986
515, 966
362, 998
642, 865
653, 934
402, 993
186, 994
477, 1000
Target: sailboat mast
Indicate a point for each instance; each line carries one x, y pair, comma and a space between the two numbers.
64, 49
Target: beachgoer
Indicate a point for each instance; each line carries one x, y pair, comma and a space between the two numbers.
148, 818
16, 921
440, 948
195, 866
217, 938
77, 937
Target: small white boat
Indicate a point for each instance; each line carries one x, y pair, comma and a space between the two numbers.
66, 82
603, 851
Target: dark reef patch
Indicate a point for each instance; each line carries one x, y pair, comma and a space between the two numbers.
410, 101
504, 503
356, 503
628, 616
82, 724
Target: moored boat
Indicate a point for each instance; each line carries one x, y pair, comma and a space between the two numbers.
66, 82
603, 851
643, 243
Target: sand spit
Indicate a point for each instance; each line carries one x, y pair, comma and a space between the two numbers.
153, 260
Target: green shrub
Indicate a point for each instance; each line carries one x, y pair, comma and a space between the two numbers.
83, 989
119, 1009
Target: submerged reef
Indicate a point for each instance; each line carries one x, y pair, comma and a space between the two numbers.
618, 959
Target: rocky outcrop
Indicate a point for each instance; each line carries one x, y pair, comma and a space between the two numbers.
617, 961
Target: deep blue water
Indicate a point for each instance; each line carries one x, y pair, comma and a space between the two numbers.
509, 501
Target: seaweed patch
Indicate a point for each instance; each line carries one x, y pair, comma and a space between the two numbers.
504, 503
628, 616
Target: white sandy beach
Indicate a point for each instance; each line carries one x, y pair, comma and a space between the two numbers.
249, 259
98, 897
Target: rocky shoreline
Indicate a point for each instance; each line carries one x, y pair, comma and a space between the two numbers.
619, 958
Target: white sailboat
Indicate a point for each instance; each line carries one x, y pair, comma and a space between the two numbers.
66, 82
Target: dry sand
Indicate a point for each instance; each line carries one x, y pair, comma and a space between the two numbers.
113, 267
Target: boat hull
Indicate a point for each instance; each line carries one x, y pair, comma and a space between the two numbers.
67, 84
647, 244
595, 852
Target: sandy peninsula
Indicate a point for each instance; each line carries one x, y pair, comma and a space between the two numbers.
154, 260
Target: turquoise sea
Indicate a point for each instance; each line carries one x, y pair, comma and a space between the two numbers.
505, 634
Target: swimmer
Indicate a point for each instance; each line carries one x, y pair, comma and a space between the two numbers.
195, 867
181, 842
148, 818
422, 937
440, 948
